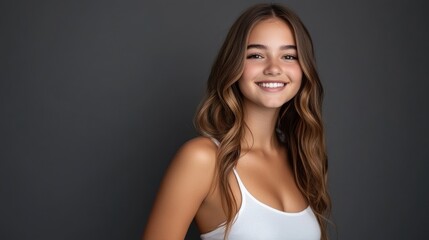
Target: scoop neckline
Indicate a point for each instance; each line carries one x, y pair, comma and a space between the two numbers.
241, 184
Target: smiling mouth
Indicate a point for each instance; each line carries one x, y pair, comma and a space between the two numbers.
271, 84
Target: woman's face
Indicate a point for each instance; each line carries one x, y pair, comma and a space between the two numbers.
272, 74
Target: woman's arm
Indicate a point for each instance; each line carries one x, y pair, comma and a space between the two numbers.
184, 187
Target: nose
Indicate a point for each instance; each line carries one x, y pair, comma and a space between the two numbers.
272, 68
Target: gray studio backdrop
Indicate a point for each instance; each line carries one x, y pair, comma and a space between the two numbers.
96, 97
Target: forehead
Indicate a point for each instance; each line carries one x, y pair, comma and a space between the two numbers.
272, 30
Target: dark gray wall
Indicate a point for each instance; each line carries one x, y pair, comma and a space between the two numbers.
96, 96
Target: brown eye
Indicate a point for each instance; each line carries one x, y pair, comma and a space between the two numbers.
254, 56
290, 57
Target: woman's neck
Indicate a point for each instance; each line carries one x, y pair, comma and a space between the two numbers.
261, 123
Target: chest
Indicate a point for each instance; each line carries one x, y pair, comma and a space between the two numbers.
271, 181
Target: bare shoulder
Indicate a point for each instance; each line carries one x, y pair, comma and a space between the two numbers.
194, 163
196, 158
199, 152
186, 184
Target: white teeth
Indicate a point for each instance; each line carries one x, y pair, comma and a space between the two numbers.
271, 85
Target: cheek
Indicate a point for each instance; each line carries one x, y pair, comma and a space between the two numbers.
298, 78
250, 70
295, 73
243, 85
247, 73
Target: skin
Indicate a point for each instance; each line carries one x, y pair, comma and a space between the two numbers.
188, 190
270, 59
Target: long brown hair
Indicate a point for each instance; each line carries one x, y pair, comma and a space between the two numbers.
220, 114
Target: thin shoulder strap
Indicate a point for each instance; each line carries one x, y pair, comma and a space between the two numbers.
215, 141
243, 190
240, 183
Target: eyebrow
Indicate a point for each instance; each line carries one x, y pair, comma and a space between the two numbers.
263, 47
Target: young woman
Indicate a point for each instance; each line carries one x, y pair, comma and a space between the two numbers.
259, 170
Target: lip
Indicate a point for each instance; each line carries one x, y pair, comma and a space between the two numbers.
271, 89
271, 81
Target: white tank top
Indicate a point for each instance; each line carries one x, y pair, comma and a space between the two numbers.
258, 221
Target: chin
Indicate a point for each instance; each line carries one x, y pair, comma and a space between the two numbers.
274, 106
